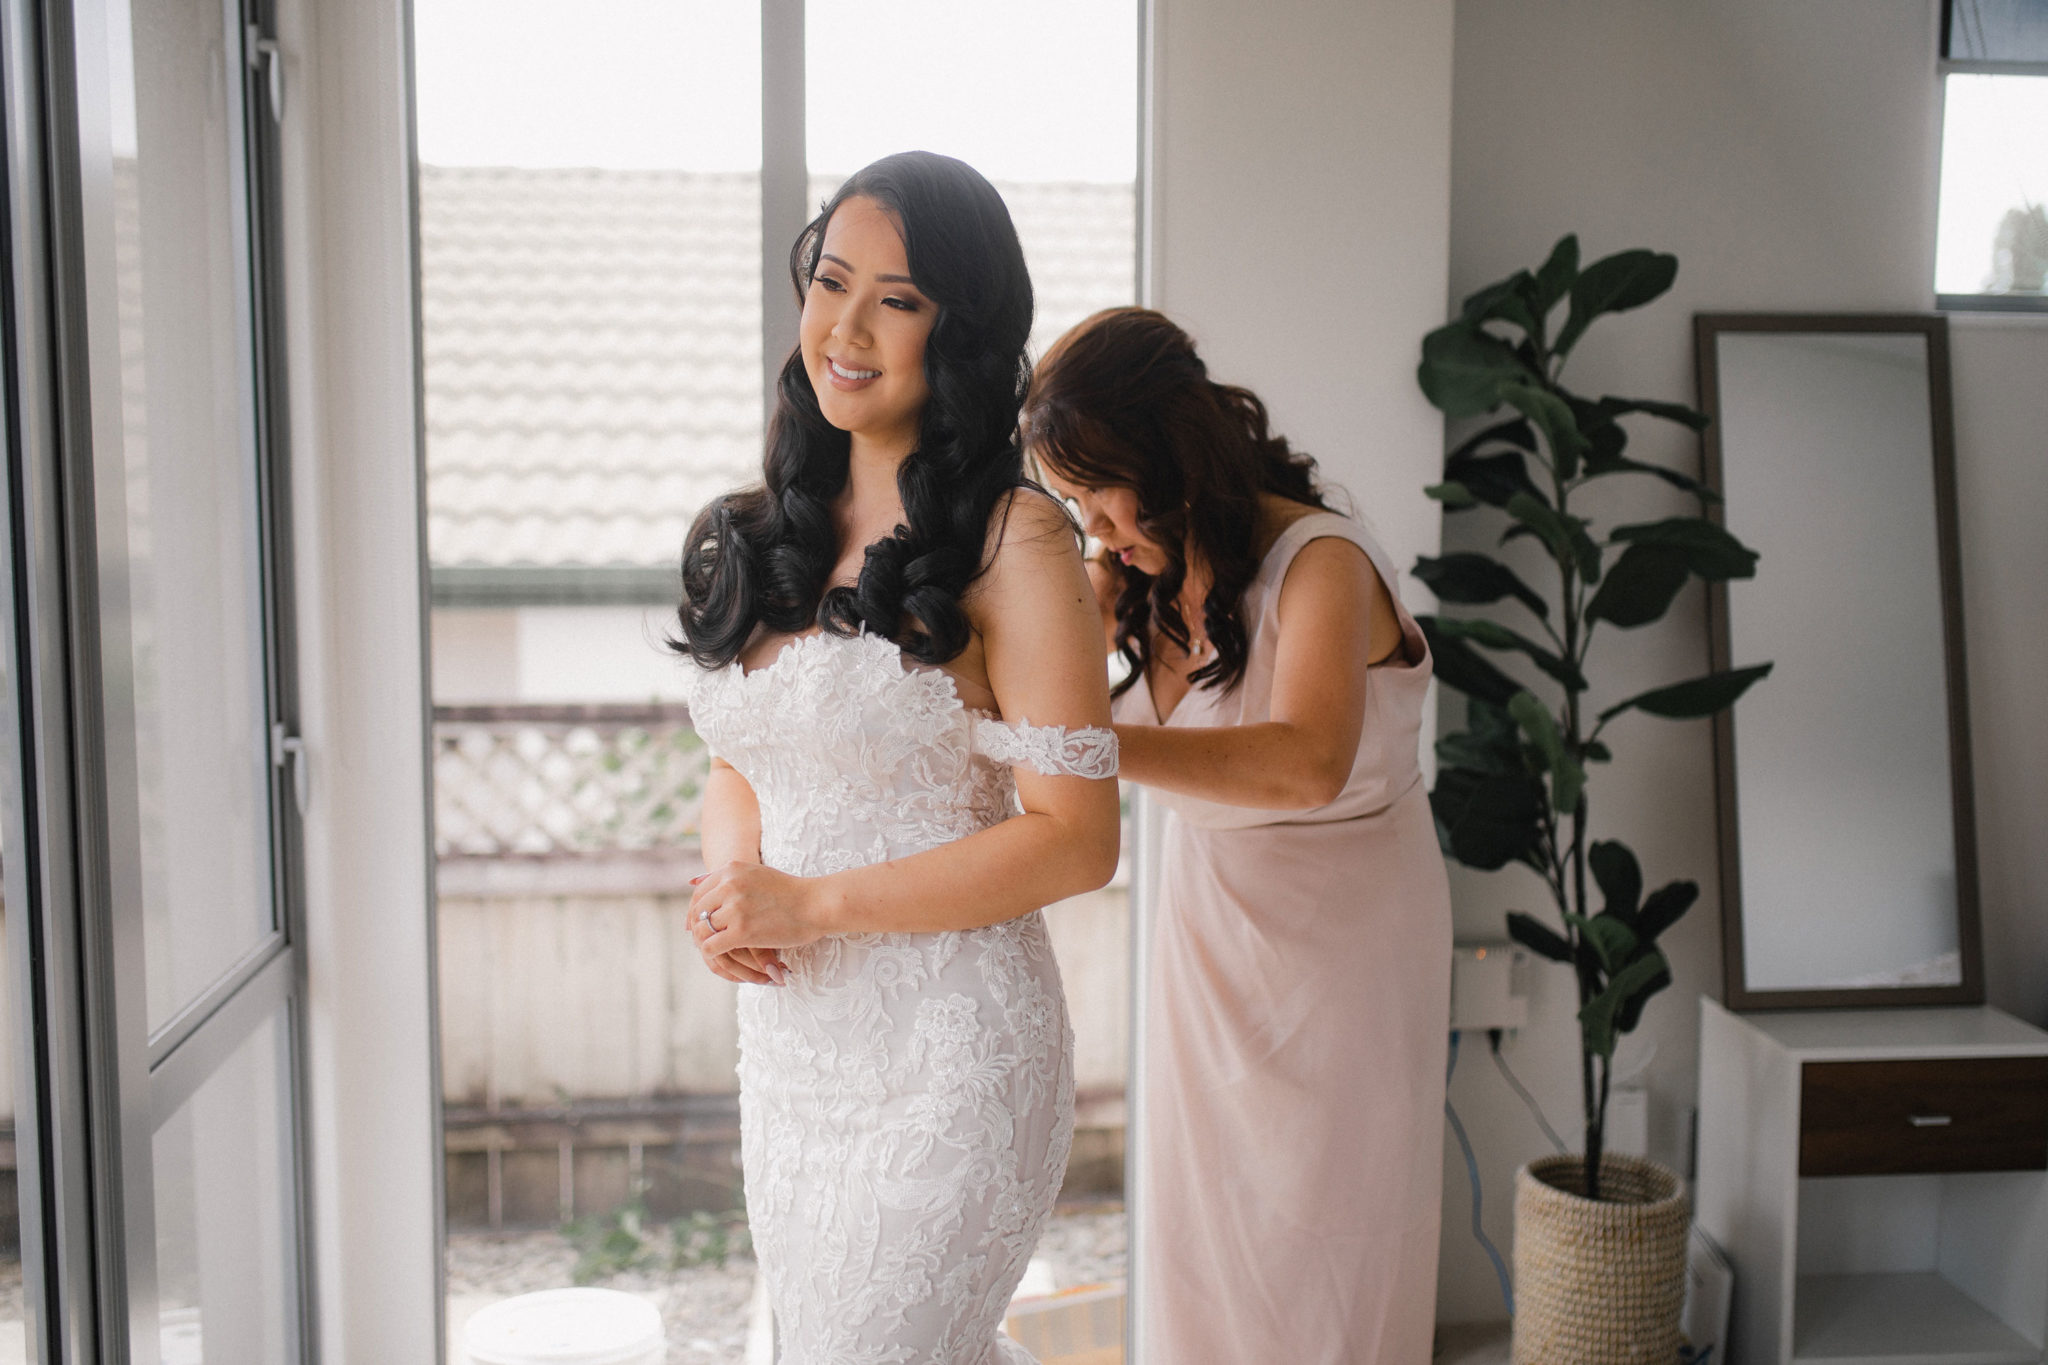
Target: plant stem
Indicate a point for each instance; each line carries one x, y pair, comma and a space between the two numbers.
1573, 605
1596, 1130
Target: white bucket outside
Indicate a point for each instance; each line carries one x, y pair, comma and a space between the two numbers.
567, 1327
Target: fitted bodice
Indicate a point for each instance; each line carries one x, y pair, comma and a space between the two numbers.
855, 758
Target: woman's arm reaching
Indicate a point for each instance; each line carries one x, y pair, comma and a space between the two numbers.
1335, 618
1042, 638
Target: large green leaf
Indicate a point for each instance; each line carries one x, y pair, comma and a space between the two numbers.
1554, 279
1494, 635
1631, 1012
1538, 937
1606, 458
1495, 478
1695, 698
1507, 301
1515, 432
1565, 535
1476, 579
1455, 497
1567, 778
1488, 820
1597, 1021
1614, 284
1463, 368
1490, 741
1670, 412
1708, 550
1639, 586
1551, 416
1614, 943
1463, 669
1664, 907
1619, 876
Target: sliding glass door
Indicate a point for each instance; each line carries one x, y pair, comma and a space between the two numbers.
155, 716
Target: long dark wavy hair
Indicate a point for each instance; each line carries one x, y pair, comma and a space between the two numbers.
1123, 401
760, 556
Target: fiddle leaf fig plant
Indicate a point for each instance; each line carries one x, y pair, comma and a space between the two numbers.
1512, 785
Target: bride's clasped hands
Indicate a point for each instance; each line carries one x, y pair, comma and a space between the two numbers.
741, 910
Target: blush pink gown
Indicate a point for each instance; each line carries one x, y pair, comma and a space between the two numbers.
1299, 1006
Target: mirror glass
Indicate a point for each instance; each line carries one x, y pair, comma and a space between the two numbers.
1842, 765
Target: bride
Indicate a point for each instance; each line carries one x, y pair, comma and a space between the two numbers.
899, 676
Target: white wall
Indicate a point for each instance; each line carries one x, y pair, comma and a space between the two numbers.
1299, 225
2001, 495
356, 514
1787, 155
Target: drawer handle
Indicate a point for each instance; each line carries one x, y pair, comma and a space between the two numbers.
1929, 1120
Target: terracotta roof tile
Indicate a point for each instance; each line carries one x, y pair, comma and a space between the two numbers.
592, 347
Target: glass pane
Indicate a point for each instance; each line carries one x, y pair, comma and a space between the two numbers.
13, 1310
1993, 235
590, 227
180, 576
1042, 99
590, 209
1998, 30
226, 1247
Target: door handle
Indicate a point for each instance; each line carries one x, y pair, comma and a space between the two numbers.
1928, 1120
265, 55
288, 748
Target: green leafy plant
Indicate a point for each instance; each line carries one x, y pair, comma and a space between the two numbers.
705, 1238
611, 1244
1511, 786
624, 1240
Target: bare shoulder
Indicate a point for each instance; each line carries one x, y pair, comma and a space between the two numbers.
1029, 535
1030, 518
1331, 575
1033, 555
1333, 585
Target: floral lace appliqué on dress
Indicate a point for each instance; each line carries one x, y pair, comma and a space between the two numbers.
906, 1100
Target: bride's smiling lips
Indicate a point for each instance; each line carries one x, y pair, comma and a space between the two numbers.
848, 377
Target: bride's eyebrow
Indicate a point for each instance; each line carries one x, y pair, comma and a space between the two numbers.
880, 279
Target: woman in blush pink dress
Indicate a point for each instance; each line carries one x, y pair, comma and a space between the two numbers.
1299, 990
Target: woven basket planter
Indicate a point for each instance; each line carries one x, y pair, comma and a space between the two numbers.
1598, 1283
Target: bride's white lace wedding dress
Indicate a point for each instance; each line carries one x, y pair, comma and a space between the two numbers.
906, 1100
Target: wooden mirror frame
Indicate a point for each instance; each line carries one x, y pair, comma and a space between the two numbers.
1707, 331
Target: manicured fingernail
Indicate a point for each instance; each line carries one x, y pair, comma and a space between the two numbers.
698, 878
775, 973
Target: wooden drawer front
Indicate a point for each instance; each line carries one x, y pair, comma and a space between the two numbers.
1923, 1116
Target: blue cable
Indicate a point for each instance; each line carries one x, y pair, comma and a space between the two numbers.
1500, 1268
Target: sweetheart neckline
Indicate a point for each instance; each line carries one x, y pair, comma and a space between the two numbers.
943, 678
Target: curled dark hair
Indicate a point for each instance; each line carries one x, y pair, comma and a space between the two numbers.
1123, 401
760, 556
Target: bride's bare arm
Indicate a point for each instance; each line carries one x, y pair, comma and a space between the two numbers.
1042, 635
729, 831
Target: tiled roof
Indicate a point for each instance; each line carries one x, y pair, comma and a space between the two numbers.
593, 355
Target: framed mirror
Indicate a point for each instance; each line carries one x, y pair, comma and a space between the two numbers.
1847, 839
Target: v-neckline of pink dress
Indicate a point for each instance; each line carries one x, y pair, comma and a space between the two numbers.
1265, 566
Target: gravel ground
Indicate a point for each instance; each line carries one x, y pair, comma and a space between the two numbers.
704, 1308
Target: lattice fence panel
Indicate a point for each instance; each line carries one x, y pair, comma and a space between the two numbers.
564, 780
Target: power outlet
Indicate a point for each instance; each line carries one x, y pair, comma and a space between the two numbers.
1487, 987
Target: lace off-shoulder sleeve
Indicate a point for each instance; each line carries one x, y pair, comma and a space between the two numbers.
1054, 750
